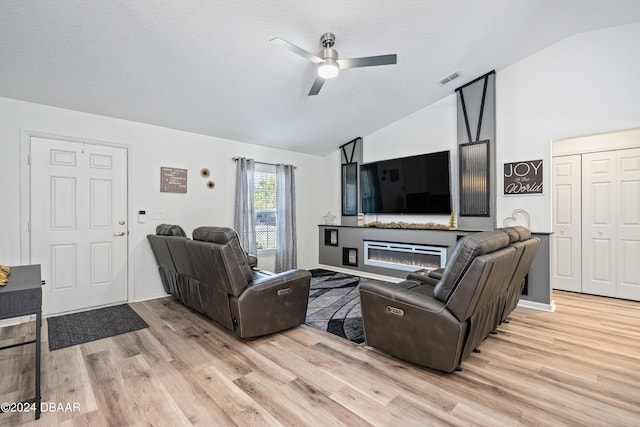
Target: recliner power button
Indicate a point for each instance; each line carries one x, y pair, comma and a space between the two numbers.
395, 310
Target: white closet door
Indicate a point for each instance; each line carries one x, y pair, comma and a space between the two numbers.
628, 219
566, 254
611, 223
600, 197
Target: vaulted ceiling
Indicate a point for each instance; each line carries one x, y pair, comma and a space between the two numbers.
207, 66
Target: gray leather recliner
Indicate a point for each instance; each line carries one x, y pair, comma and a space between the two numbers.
526, 249
215, 277
160, 249
438, 323
530, 246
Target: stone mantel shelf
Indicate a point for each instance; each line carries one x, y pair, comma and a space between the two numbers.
364, 227
458, 230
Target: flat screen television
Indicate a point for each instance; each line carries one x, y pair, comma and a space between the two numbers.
408, 185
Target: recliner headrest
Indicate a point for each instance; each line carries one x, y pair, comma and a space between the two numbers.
220, 235
485, 242
513, 234
524, 232
170, 230
465, 251
226, 236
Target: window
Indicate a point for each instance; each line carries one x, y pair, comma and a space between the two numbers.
264, 205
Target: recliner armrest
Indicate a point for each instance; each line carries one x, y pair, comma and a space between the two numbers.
288, 277
405, 321
418, 295
252, 260
436, 274
429, 277
272, 303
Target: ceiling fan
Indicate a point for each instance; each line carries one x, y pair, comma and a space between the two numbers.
328, 63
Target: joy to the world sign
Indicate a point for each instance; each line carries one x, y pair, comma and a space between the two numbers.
523, 177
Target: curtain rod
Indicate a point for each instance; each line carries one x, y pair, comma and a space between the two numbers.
235, 159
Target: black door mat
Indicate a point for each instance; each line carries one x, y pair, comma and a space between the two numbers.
92, 325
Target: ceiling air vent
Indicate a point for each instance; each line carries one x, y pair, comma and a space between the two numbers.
443, 81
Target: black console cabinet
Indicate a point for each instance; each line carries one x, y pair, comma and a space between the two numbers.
22, 296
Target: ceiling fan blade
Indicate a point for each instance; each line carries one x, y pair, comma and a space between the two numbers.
317, 85
367, 61
297, 50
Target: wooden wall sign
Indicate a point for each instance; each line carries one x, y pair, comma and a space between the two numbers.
523, 177
173, 180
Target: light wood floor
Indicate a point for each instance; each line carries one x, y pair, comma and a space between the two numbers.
577, 366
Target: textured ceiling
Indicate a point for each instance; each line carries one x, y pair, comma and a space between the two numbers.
207, 66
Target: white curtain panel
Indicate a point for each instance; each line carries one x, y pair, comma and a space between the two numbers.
244, 217
286, 249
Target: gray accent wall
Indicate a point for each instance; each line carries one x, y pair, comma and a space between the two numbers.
539, 289
476, 122
351, 152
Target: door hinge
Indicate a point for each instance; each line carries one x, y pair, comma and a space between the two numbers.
29, 227
29, 159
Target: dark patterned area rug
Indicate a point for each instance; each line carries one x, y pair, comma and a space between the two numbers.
334, 304
92, 325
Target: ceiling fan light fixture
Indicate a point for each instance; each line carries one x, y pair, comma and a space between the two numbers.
329, 65
328, 69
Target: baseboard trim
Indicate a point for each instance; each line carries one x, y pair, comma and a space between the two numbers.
538, 305
360, 273
141, 298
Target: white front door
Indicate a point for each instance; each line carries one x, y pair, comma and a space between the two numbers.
79, 232
566, 248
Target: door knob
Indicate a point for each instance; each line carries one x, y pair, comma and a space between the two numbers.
120, 233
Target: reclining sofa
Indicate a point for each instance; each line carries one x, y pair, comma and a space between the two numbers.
213, 275
437, 318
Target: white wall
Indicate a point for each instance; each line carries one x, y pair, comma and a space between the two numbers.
152, 147
331, 195
428, 130
583, 85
